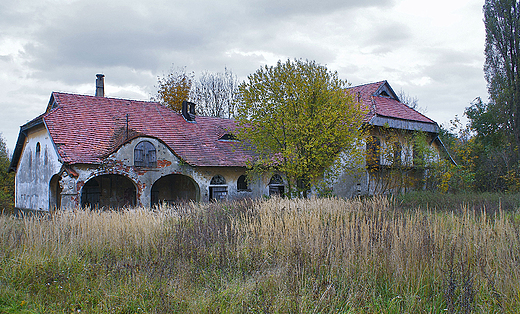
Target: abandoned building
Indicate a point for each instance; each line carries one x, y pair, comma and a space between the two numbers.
106, 152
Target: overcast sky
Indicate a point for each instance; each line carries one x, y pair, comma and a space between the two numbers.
433, 50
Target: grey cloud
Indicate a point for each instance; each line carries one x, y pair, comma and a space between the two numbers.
278, 8
386, 37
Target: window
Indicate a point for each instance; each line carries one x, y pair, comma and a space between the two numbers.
37, 154
276, 185
218, 188
242, 184
144, 155
228, 137
397, 154
373, 157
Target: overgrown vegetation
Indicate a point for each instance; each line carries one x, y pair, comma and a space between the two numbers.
6, 180
271, 256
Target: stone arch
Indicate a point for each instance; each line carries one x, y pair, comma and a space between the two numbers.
109, 191
174, 188
55, 190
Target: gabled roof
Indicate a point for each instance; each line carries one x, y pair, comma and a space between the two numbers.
86, 129
380, 100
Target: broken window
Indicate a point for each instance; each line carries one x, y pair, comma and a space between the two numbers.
218, 188
145, 155
242, 184
276, 185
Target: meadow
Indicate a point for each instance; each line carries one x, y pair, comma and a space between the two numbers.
374, 255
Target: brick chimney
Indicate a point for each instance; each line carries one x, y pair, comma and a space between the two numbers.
100, 85
188, 111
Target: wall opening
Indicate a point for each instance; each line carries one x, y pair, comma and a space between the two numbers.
145, 155
108, 191
174, 188
55, 192
276, 185
242, 183
218, 188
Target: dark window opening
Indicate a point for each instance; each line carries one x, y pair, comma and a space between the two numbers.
145, 155
228, 137
373, 146
276, 186
384, 94
38, 149
218, 180
397, 154
242, 184
219, 192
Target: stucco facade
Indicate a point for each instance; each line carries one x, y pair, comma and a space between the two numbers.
106, 152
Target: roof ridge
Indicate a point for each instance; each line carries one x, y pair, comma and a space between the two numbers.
373, 83
104, 97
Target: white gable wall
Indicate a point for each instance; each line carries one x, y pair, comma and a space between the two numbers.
35, 171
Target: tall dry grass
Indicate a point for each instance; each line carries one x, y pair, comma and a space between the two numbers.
277, 255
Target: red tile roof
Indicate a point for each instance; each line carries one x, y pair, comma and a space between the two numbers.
86, 129
385, 106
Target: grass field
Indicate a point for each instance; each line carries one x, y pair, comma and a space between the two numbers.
272, 256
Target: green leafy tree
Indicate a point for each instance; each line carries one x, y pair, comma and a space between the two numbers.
298, 118
6, 179
502, 72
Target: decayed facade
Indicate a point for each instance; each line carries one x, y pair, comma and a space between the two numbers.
106, 152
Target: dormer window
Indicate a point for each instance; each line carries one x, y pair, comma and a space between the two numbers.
145, 155
384, 94
228, 137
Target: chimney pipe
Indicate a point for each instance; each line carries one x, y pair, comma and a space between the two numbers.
100, 85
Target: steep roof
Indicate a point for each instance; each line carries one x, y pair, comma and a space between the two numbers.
85, 129
379, 99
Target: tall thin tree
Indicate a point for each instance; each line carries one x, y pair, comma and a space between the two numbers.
502, 23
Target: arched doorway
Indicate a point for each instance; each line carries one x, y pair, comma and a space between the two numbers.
109, 190
55, 192
174, 188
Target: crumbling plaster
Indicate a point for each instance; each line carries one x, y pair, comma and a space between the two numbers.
121, 162
35, 170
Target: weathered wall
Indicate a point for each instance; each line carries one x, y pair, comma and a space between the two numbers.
357, 180
121, 163
35, 170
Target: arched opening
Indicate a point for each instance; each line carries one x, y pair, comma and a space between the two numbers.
109, 190
218, 188
242, 183
55, 192
174, 188
145, 155
276, 185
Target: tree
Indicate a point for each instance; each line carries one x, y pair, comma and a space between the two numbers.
174, 88
216, 94
6, 179
410, 101
298, 118
502, 23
